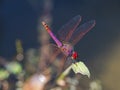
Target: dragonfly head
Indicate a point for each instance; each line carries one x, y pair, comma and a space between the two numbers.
74, 55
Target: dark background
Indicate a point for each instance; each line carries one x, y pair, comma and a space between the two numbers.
19, 19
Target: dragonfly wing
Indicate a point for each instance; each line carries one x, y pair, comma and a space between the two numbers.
68, 62
56, 57
81, 31
66, 31
49, 54
54, 51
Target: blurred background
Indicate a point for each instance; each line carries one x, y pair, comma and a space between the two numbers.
22, 40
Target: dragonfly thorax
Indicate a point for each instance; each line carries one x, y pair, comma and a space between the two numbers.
67, 49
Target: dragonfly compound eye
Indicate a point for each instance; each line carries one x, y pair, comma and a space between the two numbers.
74, 55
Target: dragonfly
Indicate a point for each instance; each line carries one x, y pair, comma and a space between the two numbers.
69, 35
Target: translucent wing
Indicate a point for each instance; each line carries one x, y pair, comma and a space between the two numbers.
81, 31
49, 54
66, 31
54, 57
68, 62
54, 51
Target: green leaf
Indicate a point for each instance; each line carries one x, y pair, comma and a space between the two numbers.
80, 67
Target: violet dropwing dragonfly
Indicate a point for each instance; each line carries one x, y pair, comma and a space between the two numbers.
69, 35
